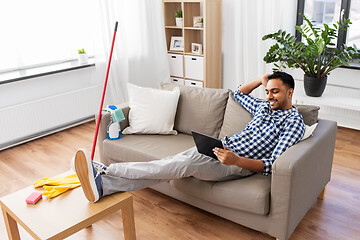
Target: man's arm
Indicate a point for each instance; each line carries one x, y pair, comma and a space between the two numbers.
291, 135
248, 87
228, 157
242, 95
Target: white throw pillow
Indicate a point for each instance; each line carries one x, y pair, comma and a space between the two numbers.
308, 131
152, 111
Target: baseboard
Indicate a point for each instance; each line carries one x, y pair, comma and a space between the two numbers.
45, 133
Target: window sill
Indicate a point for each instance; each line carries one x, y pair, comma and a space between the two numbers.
25, 74
349, 103
355, 66
331, 100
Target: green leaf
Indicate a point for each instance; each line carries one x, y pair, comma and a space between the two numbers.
320, 45
298, 28
314, 57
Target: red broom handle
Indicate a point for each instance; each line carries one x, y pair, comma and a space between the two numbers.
103, 95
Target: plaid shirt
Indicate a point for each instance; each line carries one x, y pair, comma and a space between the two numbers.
268, 134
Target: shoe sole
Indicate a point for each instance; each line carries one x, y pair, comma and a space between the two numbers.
84, 171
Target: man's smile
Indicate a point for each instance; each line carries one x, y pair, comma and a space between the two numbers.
272, 101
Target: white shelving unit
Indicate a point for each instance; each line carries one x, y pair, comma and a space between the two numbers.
186, 67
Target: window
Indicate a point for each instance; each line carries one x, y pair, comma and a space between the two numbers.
331, 11
39, 32
353, 36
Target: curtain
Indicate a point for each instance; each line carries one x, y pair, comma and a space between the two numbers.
245, 22
139, 54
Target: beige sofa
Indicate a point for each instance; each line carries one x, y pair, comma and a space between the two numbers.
272, 204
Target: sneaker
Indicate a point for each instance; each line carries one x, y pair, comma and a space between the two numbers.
101, 168
89, 176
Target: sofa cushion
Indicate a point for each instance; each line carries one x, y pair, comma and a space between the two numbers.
143, 148
235, 118
309, 113
250, 194
152, 111
199, 109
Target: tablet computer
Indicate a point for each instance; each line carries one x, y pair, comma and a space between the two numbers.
205, 144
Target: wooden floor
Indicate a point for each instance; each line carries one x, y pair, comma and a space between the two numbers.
160, 217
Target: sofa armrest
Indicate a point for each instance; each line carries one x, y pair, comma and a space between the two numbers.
104, 122
299, 175
106, 118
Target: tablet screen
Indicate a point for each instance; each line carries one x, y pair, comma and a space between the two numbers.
205, 144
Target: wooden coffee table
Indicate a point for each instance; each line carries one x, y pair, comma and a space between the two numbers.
64, 215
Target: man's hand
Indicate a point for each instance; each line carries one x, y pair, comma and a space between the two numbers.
248, 87
226, 156
264, 79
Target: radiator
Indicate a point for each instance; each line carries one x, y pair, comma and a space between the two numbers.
30, 120
338, 103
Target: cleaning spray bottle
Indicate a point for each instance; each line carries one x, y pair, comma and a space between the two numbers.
113, 129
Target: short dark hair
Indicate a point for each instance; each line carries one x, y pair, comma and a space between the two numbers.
287, 79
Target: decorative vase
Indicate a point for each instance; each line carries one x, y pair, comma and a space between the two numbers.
83, 58
314, 87
179, 22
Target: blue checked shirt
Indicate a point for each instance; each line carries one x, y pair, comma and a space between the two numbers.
268, 134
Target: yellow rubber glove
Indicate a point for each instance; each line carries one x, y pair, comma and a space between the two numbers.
53, 191
57, 181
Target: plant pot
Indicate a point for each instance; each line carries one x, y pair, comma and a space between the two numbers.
314, 87
179, 22
83, 58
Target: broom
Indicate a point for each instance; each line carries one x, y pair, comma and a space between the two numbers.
103, 95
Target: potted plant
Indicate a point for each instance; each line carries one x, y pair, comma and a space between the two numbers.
201, 23
82, 56
178, 18
315, 57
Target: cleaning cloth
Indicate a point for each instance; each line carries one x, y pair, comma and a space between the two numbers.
116, 113
57, 185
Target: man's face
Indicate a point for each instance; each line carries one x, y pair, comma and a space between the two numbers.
278, 95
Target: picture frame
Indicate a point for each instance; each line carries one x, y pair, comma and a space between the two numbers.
197, 22
177, 43
196, 48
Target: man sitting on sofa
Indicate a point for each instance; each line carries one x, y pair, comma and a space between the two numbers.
276, 126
